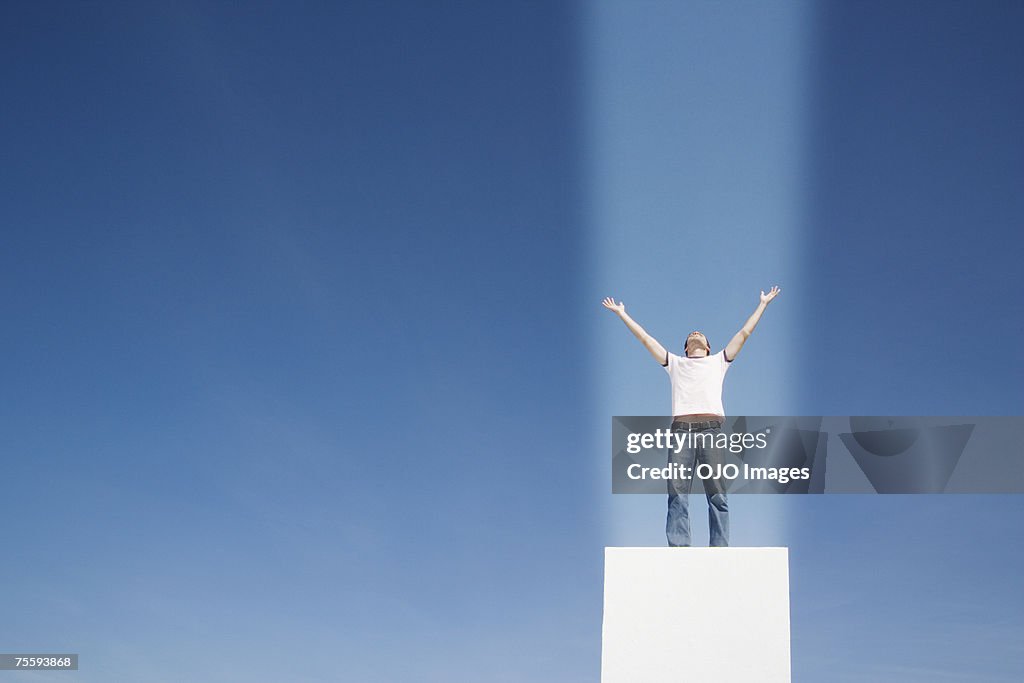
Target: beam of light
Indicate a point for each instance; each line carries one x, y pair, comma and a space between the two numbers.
694, 125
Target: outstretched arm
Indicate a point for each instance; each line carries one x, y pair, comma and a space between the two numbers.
740, 338
652, 345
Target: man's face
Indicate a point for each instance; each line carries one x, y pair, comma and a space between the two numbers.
694, 341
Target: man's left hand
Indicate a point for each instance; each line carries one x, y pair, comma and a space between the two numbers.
772, 293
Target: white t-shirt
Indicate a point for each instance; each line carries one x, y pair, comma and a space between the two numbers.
697, 383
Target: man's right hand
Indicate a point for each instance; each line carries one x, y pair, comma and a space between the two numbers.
610, 304
652, 345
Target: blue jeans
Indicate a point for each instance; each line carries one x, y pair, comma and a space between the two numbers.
677, 526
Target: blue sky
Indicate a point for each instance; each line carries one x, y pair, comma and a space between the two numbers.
292, 343
306, 372
913, 224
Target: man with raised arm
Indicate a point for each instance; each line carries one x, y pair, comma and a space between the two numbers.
696, 378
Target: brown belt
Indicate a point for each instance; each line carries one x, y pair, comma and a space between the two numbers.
691, 425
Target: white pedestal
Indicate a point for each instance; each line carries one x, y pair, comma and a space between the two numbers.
699, 615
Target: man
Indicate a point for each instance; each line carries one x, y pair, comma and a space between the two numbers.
696, 378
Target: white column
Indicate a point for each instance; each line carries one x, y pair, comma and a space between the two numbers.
701, 615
